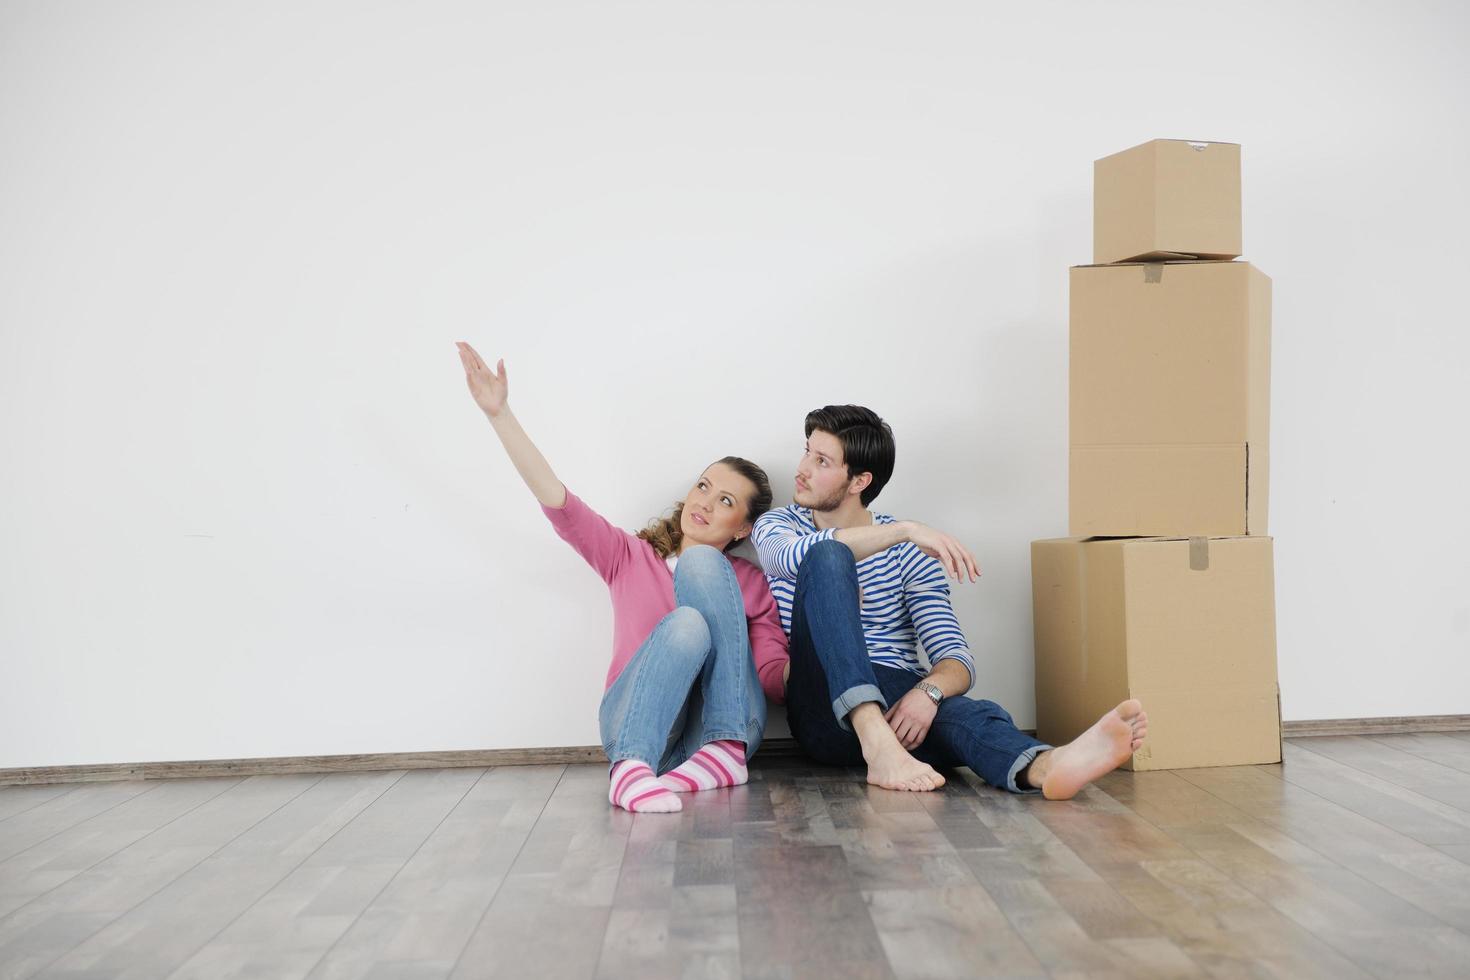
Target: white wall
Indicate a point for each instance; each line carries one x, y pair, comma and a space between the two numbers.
247, 507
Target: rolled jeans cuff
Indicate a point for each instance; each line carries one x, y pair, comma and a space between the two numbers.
1022, 761
851, 698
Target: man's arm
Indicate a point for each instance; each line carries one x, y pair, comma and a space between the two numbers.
926, 594
951, 677
782, 544
912, 714
865, 542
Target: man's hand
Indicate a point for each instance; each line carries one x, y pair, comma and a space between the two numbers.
911, 717
957, 561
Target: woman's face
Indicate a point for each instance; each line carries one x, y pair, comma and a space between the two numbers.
715, 508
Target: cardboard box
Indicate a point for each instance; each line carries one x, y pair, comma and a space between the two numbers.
1170, 399
1167, 199
1186, 626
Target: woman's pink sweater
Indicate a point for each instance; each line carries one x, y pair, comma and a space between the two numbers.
642, 589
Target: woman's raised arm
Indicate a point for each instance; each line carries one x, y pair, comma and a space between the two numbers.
491, 393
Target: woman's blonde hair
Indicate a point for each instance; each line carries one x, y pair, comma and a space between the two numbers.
666, 534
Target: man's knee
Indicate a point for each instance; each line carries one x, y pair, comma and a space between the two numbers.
827, 561
971, 712
994, 712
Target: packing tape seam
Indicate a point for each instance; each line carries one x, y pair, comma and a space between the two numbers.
1247, 509
1082, 617
1199, 554
1161, 445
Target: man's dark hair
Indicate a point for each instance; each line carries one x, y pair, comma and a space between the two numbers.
867, 442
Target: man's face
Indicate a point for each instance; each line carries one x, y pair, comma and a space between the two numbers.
822, 482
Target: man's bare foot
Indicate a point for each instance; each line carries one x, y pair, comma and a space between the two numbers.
1062, 772
897, 769
889, 763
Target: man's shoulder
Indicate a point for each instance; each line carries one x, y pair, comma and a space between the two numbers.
906, 554
900, 549
791, 516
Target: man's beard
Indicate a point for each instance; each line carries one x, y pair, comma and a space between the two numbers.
832, 501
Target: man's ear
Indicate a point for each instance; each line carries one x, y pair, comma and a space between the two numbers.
860, 483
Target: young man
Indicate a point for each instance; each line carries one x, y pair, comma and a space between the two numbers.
856, 590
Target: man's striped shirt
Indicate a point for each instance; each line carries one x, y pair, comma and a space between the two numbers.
904, 594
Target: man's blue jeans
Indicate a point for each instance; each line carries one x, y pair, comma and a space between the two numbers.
831, 674
692, 681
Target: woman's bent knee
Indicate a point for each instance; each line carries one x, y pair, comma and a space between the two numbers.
697, 554
686, 631
703, 562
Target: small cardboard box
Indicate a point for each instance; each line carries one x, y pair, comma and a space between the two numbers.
1170, 399
1186, 626
1167, 199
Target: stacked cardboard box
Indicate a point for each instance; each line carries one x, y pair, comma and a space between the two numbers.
1166, 591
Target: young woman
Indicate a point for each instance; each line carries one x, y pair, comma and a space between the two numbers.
697, 640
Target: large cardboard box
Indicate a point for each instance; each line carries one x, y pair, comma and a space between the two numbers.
1187, 626
1167, 198
1170, 399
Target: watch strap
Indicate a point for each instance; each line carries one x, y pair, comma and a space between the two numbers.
934, 693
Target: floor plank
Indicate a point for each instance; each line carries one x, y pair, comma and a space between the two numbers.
1425, 777
64, 811
52, 924
53, 861
565, 873
674, 908
1220, 924
1439, 747
1404, 809
954, 932
157, 936
419, 923
289, 928
1434, 883
19, 799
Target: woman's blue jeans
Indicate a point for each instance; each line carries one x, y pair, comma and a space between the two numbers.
692, 681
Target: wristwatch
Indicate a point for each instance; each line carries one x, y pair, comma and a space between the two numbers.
935, 694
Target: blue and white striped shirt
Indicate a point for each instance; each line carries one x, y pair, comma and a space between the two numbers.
904, 594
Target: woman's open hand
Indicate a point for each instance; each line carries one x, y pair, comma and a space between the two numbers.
488, 387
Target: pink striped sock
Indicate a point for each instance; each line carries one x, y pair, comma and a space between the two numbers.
717, 764
633, 786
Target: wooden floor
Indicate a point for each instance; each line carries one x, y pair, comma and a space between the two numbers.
1351, 860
